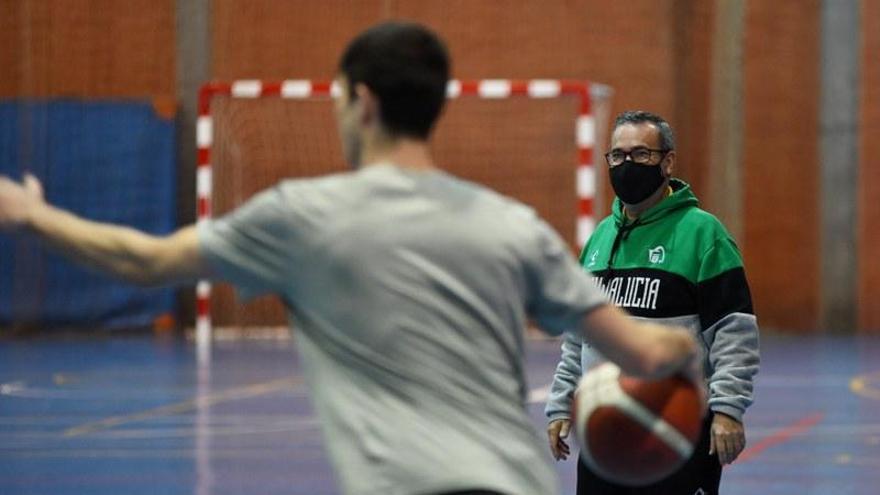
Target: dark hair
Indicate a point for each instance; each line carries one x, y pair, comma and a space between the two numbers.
667, 137
407, 67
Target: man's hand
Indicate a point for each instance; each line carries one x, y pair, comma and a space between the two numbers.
18, 201
556, 431
727, 438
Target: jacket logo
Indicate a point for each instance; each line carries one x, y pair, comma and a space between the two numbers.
657, 255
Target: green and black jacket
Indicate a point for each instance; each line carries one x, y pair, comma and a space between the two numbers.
675, 264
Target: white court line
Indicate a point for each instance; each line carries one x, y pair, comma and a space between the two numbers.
202, 401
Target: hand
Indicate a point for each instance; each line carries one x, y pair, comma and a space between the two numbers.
556, 431
17, 201
727, 437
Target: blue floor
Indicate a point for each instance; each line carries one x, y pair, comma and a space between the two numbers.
132, 415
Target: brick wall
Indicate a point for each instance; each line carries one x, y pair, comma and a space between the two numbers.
656, 54
87, 48
869, 180
781, 210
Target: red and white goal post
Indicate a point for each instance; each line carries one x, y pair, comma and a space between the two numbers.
585, 94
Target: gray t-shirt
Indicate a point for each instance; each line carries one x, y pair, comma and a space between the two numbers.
410, 291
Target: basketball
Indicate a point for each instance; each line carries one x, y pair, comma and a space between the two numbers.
635, 432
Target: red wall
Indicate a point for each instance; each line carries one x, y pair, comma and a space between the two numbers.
656, 54
780, 191
87, 48
869, 179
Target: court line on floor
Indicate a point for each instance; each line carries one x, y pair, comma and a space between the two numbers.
238, 393
861, 385
797, 428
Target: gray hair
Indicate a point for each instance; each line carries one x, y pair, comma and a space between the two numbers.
667, 137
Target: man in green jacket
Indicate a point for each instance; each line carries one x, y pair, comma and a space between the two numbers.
662, 258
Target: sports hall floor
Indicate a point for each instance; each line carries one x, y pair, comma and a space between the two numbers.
137, 415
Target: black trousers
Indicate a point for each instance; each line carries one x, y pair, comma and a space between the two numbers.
701, 472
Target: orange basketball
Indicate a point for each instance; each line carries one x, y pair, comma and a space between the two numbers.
635, 432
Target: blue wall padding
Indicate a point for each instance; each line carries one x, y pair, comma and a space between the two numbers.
109, 161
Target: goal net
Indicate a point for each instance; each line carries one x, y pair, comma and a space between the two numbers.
532, 140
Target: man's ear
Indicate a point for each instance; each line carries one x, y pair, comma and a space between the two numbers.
369, 104
668, 164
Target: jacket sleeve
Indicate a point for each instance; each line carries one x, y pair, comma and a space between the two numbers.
565, 379
730, 331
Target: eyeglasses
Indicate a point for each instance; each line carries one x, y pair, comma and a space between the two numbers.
642, 156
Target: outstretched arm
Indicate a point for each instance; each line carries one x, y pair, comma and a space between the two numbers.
642, 349
121, 251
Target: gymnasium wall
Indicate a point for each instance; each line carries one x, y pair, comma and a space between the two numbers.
656, 54
86, 95
87, 48
868, 232
663, 69
780, 161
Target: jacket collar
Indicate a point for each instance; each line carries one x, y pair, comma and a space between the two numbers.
682, 197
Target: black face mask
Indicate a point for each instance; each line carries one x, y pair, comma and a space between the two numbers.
633, 183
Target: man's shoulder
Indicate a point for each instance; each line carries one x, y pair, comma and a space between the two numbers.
698, 219
709, 235
317, 190
336, 179
605, 223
